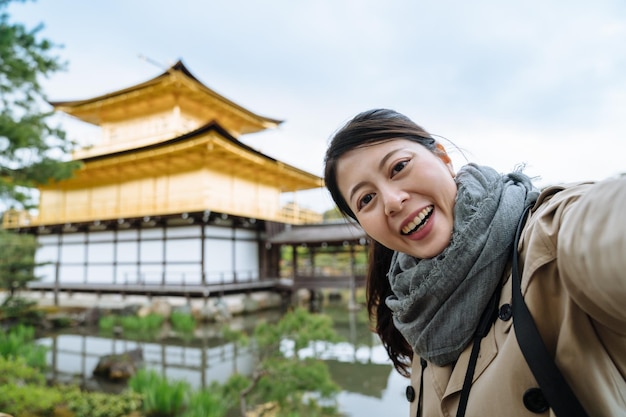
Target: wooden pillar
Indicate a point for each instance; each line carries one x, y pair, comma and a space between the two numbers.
294, 261
203, 257
352, 305
312, 260
56, 283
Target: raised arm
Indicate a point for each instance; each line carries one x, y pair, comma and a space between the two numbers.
592, 252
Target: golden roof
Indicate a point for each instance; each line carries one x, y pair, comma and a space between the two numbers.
210, 146
176, 81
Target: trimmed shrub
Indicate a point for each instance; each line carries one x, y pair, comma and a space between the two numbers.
28, 400
98, 404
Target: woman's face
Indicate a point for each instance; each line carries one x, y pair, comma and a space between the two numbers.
402, 195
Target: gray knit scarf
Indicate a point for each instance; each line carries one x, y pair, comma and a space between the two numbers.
437, 302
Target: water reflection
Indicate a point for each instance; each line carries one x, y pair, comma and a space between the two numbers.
359, 364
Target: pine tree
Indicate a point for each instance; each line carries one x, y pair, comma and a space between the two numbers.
17, 269
283, 383
31, 151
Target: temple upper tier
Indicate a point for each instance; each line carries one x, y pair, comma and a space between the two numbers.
170, 145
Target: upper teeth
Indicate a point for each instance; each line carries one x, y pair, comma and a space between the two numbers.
417, 220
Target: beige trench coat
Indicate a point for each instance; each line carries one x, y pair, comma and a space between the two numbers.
573, 251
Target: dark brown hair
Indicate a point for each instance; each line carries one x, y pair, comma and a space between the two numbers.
365, 129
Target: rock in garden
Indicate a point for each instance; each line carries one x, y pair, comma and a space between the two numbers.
119, 366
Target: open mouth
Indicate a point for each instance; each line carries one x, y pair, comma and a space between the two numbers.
418, 221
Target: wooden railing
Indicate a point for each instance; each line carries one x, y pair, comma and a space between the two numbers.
323, 282
193, 290
13, 219
202, 290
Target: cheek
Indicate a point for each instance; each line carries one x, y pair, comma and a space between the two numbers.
448, 191
450, 196
375, 228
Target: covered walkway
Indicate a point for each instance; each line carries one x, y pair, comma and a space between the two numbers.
343, 242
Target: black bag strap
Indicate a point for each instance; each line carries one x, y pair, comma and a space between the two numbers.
554, 386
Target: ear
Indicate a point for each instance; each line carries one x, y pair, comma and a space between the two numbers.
443, 155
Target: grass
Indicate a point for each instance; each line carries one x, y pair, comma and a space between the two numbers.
107, 323
133, 325
182, 322
207, 403
19, 342
161, 398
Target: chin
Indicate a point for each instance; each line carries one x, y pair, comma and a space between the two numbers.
433, 251
428, 255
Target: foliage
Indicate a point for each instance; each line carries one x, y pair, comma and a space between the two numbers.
182, 322
148, 324
16, 371
30, 150
234, 385
28, 400
235, 336
174, 398
133, 325
298, 325
208, 403
17, 265
301, 384
107, 323
19, 342
23, 389
333, 214
296, 385
22, 310
282, 380
99, 404
160, 397
329, 260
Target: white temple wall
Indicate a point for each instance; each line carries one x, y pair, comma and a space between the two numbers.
172, 255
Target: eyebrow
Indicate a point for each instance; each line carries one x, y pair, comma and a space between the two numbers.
382, 163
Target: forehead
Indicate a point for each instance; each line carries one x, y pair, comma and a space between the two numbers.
382, 148
364, 162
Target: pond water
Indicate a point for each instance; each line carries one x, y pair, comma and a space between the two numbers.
359, 364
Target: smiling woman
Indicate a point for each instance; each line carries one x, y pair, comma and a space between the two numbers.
404, 182
440, 270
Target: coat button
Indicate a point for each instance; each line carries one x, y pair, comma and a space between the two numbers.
535, 401
506, 312
410, 393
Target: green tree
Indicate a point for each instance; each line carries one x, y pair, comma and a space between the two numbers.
333, 214
283, 381
31, 151
17, 269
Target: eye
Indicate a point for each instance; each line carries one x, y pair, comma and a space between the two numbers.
364, 200
398, 167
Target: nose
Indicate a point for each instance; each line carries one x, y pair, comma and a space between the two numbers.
394, 200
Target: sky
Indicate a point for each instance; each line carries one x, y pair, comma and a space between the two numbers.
501, 83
